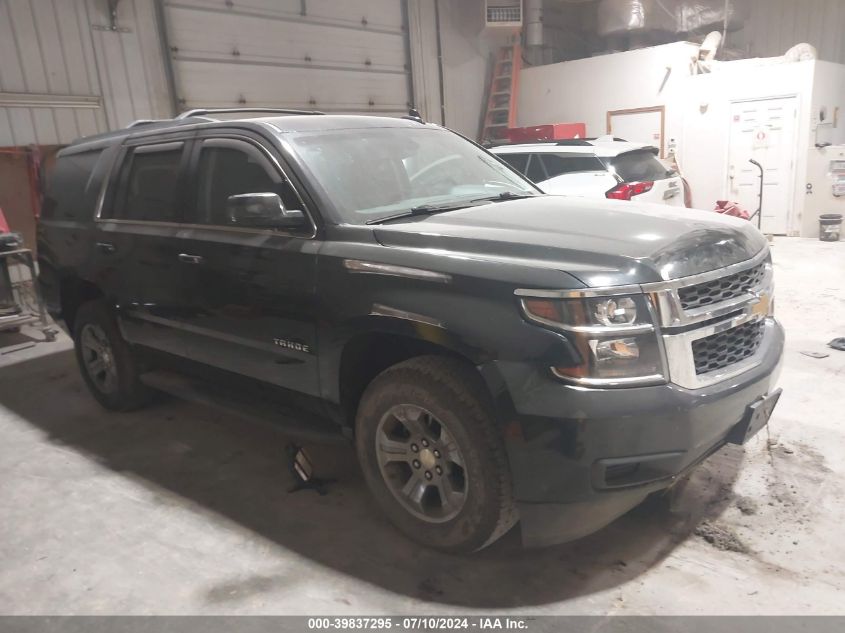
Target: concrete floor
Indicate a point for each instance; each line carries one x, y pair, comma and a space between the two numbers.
179, 510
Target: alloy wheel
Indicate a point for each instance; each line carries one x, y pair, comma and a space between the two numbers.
98, 358
421, 463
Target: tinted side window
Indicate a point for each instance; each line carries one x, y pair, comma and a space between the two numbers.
68, 186
637, 166
147, 187
229, 168
535, 171
518, 161
557, 164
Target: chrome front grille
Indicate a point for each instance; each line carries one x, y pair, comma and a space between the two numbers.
713, 325
719, 351
721, 290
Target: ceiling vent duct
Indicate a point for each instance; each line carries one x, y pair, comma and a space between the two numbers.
533, 22
620, 17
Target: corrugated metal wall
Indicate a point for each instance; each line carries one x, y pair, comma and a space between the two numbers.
775, 26
65, 73
466, 49
130, 62
422, 20
348, 56
466, 53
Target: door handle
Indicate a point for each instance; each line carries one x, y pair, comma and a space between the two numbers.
106, 247
190, 259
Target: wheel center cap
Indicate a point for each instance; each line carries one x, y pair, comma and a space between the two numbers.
427, 458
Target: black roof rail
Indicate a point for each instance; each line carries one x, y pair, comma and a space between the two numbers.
571, 142
587, 141
206, 111
574, 142
488, 143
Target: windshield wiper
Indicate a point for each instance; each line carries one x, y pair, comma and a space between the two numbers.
424, 209
428, 209
506, 195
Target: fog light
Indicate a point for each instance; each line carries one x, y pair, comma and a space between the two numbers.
616, 311
616, 349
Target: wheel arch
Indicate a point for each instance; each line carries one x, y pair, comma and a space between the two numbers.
367, 353
73, 292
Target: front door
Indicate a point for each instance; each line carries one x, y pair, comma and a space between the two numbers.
763, 130
253, 290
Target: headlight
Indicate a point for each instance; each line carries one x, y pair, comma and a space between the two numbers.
614, 335
621, 311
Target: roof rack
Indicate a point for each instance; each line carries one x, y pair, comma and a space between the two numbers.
570, 142
588, 141
608, 137
141, 122
204, 111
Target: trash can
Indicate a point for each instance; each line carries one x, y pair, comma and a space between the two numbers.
830, 227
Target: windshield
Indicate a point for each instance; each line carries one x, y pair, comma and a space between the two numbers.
375, 173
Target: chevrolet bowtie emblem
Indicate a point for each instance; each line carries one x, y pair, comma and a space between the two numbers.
761, 308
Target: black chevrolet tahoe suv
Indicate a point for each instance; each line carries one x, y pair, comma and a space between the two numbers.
495, 354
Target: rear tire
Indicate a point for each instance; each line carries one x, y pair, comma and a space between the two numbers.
433, 456
105, 359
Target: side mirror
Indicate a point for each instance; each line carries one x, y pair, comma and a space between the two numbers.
262, 210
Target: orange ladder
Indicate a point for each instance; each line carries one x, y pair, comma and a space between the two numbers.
502, 94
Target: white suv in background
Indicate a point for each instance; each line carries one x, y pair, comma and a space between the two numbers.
596, 168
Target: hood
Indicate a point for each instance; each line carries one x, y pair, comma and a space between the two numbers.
601, 242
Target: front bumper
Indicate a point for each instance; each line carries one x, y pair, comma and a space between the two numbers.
582, 457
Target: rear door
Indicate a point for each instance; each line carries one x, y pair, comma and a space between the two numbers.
253, 306
576, 174
527, 164
136, 243
534, 170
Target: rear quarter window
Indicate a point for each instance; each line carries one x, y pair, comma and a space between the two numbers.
639, 166
559, 164
71, 187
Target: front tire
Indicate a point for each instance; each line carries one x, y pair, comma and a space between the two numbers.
105, 359
433, 456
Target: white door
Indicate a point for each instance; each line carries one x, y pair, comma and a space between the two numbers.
763, 130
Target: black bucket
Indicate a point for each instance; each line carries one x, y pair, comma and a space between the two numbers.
830, 226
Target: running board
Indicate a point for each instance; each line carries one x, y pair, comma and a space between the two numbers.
292, 421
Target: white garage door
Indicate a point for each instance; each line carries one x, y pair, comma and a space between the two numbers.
331, 55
